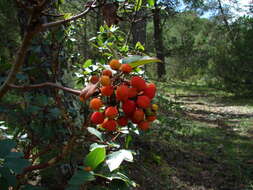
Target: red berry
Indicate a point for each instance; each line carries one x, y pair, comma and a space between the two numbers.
129, 107
94, 79
122, 93
110, 125
138, 116
143, 101
111, 112
107, 72
106, 90
97, 118
151, 118
144, 125
122, 121
138, 82
132, 92
150, 91
126, 68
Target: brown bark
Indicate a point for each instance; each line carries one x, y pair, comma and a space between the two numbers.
159, 41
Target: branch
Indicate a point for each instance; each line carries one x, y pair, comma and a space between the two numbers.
28, 87
22, 52
59, 22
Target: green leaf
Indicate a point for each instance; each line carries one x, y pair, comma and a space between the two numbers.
144, 60
5, 147
137, 5
16, 164
67, 15
80, 177
96, 145
6, 174
87, 63
116, 158
139, 46
95, 157
95, 132
151, 3
131, 59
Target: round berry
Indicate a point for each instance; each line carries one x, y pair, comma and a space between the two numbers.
95, 103
129, 107
106, 90
144, 125
138, 83
105, 80
122, 93
143, 101
111, 112
115, 64
97, 118
107, 72
122, 121
126, 68
109, 125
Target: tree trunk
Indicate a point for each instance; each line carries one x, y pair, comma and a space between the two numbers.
158, 37
139, 28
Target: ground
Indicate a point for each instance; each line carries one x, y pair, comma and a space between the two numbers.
203, 140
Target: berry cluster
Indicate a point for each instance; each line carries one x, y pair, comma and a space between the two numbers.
122, 98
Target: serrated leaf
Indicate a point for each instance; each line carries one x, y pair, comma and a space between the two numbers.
5, 147
80, 177
144, 60
95, 157
16, 164
95, 132
116, 158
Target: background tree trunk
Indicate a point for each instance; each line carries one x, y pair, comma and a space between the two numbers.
158, 37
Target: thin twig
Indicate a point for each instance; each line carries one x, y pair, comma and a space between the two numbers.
28, 87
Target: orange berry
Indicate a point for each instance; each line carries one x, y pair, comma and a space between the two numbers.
97, 118
122, 93
105, 80
94, 79
150, 91
122, 121
109, 125
132, 92
129, 107
138, 82
151, 118
115, 64
126, 68
111, 112
95, 103
87, 169
81, 98
138, 116
107, 72
144, 125
106, 90
143, 101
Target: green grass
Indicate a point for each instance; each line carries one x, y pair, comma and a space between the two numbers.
184, 152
